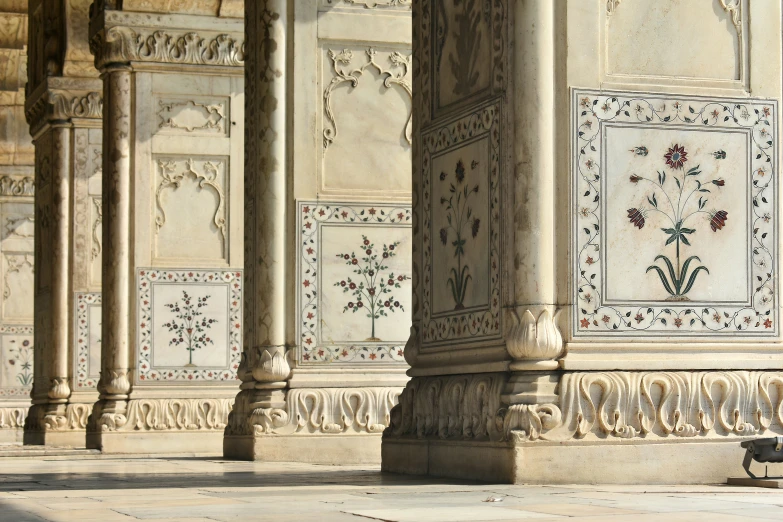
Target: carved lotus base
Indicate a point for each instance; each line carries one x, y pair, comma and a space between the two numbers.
684, 461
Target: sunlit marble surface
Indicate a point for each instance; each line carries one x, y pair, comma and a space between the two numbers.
90, 487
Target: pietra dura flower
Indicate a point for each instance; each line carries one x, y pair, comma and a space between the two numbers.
374, 283
190, 326
680, 207
676, 156
459, 215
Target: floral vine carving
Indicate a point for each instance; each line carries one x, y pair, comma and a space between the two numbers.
397, 75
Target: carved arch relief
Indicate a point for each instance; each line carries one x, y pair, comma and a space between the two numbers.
208, 175
667, 26
397, 75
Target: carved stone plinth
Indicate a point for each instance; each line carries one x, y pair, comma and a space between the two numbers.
457, 426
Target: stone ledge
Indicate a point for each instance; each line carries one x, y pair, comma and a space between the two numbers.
573, 462
322, 449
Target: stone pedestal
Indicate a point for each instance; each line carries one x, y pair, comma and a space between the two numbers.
327, 230
172, 231
602, 304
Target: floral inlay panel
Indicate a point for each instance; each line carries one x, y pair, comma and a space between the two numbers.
190, 325
465, 39
16, 363
354, 283
88, 339
675, 216
461, 224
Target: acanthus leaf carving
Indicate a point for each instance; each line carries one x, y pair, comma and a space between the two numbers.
123, 44
17, 186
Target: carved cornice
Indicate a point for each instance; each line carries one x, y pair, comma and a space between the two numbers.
60, 105
17, 186
316, 411
124, 45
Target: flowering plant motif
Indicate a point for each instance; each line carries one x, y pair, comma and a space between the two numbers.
678, 281
460, 221
374, 289
22, 354
467, 35
190, 326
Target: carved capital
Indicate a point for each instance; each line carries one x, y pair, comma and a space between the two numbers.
531, 339
124, 45
60, 105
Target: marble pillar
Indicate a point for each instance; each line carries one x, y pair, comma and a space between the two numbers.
63, 107
172, 231
16, 236
601, 303
327, 229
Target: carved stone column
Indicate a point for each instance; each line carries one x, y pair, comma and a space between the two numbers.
606, 289
172, 236
327, 174
16, 241
533, 340
63, 108
114, 385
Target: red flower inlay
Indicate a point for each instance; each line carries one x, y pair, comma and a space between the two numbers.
718, 220
676, 156
637, 217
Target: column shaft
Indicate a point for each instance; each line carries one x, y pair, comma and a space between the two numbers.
115, 383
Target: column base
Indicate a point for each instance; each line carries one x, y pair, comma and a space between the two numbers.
150, 442
58, 439
328, 449
573, 462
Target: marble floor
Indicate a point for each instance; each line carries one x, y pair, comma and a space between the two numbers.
89, 487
